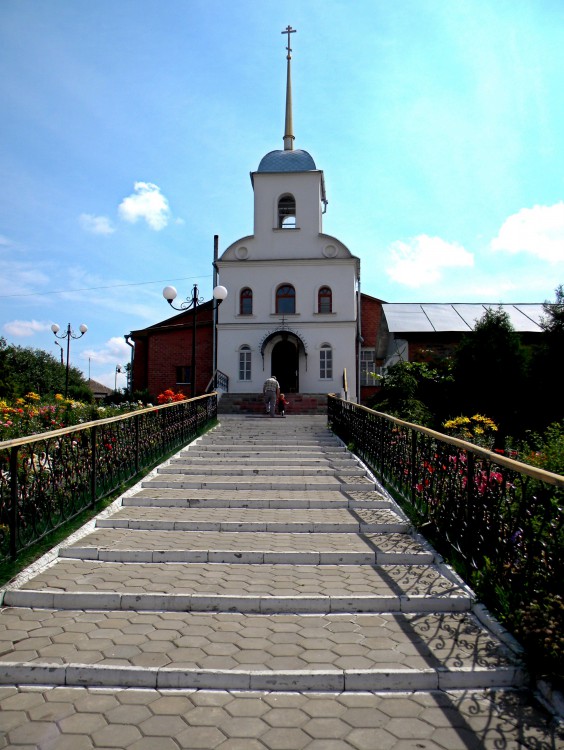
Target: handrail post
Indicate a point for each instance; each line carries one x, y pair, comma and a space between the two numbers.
381, 445
413, 464
93, 467
13, 522
470, 482
137, 430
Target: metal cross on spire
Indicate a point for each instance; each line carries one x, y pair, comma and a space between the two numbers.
288, 125
289, 30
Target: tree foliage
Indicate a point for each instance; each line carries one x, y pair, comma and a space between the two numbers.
414, 390
24, 369
490, 373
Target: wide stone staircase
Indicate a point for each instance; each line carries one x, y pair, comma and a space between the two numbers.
258, 590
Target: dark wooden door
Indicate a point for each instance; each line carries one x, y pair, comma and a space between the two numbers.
285, 366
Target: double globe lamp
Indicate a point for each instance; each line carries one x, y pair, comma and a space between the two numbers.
68, 336
170, 294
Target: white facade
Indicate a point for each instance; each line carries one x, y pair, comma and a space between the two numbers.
292, 304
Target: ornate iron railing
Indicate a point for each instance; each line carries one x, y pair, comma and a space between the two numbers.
48, 478
219, 381
496, 516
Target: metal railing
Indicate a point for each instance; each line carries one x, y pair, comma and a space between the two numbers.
219, 381
48, 478
497, 516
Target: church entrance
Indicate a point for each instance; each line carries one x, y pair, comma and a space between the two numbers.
285, 366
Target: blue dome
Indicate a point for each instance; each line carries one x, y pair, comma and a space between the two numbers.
286, 161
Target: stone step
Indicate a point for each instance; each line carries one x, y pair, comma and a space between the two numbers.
203, 481
264, 454
257, 443
280, 469
256, 437
169, 497
207, 650
82, 717
258, 459
88, 584
126, 545
245, 519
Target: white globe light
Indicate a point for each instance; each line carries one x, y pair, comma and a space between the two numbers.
55, 328
169, 293
83, 328
220, 293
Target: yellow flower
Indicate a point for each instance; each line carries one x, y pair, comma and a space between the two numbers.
456, 422
488, 423
59, 397
32, 396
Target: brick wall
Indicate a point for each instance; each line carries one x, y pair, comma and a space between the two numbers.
370, 321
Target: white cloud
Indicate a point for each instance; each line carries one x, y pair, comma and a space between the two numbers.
115, 350
537, 231
96, 224
23, 328
147, 202
422, 260
4, 241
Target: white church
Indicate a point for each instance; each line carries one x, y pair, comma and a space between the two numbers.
292, 304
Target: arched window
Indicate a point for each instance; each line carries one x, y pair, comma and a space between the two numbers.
285, 299
287, 212
246, 301
325, 300
245, 362
326, 362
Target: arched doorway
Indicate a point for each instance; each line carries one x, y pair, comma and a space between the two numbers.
285, 365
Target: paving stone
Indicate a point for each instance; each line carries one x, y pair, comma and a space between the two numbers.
34, 733
203, 738
116, 735
154, 743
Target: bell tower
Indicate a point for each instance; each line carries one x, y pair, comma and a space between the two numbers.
291, 309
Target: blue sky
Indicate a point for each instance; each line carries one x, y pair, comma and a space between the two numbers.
129, 129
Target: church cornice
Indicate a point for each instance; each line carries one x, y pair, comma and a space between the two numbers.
239, 325
289, 261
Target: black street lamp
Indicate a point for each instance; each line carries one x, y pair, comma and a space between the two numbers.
68, 336
61, 348
170, 294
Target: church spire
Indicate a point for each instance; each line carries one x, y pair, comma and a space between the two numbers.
289, 127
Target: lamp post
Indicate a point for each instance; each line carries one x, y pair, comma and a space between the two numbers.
61, 348
170, 294
68, 336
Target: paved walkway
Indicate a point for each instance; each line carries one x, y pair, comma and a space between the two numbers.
257, 591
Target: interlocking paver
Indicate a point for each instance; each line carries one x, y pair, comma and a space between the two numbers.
457, 719
224, 579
